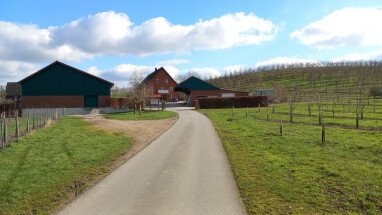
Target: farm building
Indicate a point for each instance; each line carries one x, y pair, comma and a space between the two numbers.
61, 85
12, 91
161, 85
196, 88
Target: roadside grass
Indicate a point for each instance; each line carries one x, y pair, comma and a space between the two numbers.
145, 115
39, 172
293, 172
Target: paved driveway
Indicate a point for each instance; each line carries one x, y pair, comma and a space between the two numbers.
184, 171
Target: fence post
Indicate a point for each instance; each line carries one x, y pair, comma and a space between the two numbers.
5, 137
357, 119
1, 130
281, 127
267, 113
17, 125
28, 124
246, 112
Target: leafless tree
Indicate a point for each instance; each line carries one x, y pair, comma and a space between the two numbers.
139, 91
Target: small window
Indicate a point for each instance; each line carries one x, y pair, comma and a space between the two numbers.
157, 81
162, 88
171, 89
166, 81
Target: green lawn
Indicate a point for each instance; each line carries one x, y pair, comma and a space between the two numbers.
293, 172
39, 172
145, 115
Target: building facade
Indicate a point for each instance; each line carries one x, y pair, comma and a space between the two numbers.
161, 85
60, 85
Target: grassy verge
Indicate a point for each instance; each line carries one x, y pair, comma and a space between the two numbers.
39, 172
145, 115
294, 173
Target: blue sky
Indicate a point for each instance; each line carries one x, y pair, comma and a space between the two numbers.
112, 39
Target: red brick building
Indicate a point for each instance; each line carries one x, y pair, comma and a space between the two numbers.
195, 88
161, 84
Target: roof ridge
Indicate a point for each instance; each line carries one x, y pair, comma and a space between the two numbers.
66, 65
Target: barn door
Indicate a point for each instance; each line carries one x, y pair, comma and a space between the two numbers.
90, 101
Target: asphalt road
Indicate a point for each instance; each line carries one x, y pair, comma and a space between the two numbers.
184, 171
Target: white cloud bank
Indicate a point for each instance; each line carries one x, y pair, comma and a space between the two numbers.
348, 26
114, 34
111, 33
283, 61
365, 56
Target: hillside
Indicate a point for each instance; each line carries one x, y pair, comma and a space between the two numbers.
307, 81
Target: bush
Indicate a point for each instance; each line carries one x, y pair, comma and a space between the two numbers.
237, 102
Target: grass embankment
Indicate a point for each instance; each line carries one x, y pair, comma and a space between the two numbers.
39, 172
294, 172
145, 115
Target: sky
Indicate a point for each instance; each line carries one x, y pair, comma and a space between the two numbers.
113, 39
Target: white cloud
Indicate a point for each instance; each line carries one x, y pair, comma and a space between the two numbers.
111, 33
28, 43
205, 72
348, 26
235, 68
283, 61
15, 70
174, 62
365, 56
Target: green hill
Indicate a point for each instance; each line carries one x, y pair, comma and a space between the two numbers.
306, 82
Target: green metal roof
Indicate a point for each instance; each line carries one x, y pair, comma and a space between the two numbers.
194, 83
59, 79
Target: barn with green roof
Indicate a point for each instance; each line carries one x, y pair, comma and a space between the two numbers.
196, 88
61, 85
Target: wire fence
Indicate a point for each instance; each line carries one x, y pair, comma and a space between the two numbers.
16, 123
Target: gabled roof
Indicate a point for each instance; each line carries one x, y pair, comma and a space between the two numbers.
12, 89
193, 83
65, 65
152, 75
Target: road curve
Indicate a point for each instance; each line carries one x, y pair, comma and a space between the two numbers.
184, 171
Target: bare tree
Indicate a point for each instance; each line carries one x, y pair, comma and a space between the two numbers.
140, 91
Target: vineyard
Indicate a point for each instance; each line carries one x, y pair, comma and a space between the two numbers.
299, 158
307, 82
317, 149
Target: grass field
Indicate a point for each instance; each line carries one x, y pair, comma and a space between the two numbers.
46, 167
294, 172
145, 115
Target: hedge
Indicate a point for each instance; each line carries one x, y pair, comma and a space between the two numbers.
237, 102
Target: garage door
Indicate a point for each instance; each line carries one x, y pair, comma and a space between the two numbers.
90, 101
